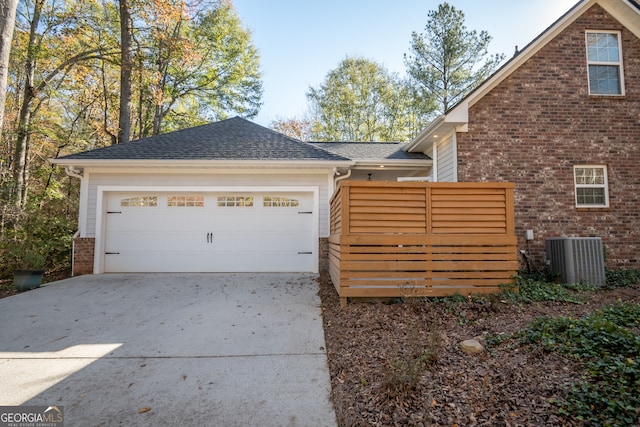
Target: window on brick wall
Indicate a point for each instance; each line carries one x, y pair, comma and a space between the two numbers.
604, 60
591, 186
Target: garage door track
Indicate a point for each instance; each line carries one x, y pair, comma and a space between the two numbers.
169, 349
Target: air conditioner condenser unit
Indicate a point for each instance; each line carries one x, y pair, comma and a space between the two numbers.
577, 259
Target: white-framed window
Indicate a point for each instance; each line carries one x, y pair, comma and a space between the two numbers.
235, 201
591, 186
185, 201
604, 63
140, 202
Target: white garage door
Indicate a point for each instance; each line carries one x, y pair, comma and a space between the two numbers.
210, 232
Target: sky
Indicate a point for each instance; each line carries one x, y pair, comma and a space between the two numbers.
300, 41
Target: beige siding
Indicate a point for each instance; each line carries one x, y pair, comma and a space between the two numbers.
446, 160
246, 179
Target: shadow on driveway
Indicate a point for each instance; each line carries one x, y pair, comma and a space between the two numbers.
169, 349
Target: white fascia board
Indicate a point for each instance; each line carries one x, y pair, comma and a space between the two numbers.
423, 136
622, 10
455, 120
391, 163
625, 12
458, 117
203, 164
535, 46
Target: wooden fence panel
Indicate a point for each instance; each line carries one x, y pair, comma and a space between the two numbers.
421, 239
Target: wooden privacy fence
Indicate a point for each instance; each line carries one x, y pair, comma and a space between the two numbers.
396, 239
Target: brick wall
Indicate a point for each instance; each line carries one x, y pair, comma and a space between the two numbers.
83, 255
323, 254
541, 121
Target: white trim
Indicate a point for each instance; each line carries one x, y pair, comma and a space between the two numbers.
618, 64
83, 205
103, 190
605, 185
623, 11
436, 160
454, 153
207, 164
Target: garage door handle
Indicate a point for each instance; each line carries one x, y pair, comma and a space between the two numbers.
305, 253
305, 213
112, 253
209, 237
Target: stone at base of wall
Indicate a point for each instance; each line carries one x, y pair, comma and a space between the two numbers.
323, 254
83, 248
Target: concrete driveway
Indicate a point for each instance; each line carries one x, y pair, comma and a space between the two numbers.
169, 349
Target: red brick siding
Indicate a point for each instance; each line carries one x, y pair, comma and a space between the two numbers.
83, 249
540, 122
323, 255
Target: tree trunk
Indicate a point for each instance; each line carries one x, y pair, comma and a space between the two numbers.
7, 23
124, 121
20, 164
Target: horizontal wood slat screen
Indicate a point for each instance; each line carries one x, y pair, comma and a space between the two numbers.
421, 239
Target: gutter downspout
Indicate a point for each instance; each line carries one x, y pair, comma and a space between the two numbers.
74, 173
340, 178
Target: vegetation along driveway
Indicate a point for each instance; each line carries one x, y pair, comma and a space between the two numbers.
169, 349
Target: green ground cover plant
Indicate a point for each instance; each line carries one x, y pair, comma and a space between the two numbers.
608, 345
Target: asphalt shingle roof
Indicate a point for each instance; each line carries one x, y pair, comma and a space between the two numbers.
231, 139
370, 150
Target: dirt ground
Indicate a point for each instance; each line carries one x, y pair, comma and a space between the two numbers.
397, 364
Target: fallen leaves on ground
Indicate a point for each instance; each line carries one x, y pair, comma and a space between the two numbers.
399, 363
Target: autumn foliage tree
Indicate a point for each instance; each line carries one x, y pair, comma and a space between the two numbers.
295, 128
89, 73
359, 100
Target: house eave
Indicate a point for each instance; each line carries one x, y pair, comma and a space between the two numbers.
442, 126
391, 164
202, 164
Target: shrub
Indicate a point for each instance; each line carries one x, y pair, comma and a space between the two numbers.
34, 239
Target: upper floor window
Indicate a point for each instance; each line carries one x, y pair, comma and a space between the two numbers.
604, 60
591, 186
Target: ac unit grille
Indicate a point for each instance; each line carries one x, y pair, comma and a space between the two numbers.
577, 259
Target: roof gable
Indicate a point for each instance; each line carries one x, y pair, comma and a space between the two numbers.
627, 12
232, 139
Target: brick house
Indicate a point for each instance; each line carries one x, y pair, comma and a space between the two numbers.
561, 119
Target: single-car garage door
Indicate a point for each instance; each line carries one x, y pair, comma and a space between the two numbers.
210, 232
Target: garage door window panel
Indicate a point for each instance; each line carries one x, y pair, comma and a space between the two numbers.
140, 202
280, 202
235, 201
185, 201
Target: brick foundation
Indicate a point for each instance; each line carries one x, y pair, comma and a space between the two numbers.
83, 249
540, 121
323, 254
